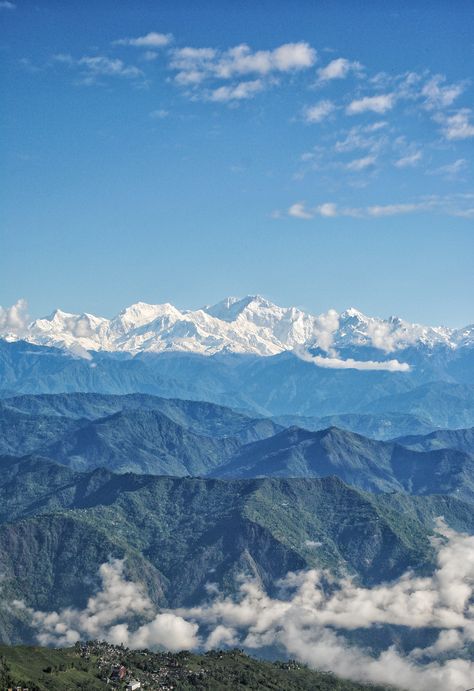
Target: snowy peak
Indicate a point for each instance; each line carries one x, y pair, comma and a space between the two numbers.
232, 307
251, 325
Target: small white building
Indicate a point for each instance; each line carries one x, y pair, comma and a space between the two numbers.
133, 684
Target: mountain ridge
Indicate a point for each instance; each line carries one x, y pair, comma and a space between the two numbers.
251, 324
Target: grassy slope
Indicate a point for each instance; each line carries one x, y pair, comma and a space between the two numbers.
215, 670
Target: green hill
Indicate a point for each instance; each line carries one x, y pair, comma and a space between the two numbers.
177, 534
87, 667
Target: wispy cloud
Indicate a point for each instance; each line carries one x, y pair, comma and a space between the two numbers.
437, 94
7, 5
452, 170
319, 111
94, 67
361, 163
458, 125
159, 114
410, 160
339, 68
150, 40
455, 205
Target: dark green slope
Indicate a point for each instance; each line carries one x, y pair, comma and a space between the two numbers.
79, 430
22, 434
301, 453
144, 441
178, 534
87, 667
366, 463
200, 417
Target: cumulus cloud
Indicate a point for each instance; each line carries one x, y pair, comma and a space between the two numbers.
243, 90
319, 111
324, 329
325, 326
298, 210
338, 69
193, 66
389, 336
150, 40
307, 619
14, 319
107, 616
375, 104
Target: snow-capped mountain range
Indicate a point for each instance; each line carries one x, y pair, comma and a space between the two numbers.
240, 325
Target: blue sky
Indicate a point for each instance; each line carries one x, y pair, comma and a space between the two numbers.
318, 153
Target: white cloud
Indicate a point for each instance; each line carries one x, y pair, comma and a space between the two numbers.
376, 104
439, 96
240, 91
293, 56
150, 55
361, 163
393, 209
350, 363
298, 210
361, 137
458, 125
14, 319
93, 67
107, 616
451, 170
319, 111
101, 65
464, 213
325, 327
7, 5
338, 69
150, 40
389, 337
409, 160
449, 205
307, 619
328, 210
193, 66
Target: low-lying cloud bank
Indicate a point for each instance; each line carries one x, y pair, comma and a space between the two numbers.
307, 620
335, 362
